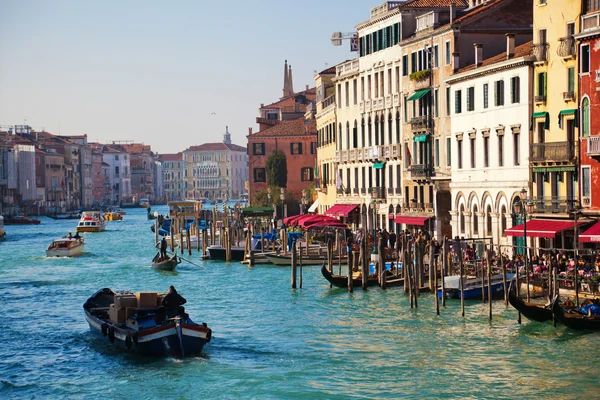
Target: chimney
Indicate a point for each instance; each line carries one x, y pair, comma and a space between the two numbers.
286, 79
478, 54
250, 131
306, 87
510, 45
452, 13
456, 61
290, 81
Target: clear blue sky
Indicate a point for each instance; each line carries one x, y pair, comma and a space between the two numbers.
154, 71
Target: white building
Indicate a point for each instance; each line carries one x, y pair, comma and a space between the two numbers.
120, 173
491, 112
173, 176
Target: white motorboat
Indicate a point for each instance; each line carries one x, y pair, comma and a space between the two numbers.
91, 221
65, 247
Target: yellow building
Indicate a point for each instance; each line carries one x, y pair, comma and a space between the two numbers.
554, 147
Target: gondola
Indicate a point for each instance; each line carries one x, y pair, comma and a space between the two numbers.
165, 265
574, 318
531, 311
342, 281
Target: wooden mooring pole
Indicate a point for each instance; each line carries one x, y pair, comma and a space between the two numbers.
294, 262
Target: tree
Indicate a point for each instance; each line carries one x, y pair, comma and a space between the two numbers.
277, 169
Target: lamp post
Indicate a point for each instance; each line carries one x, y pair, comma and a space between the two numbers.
282, 198
523, 208
304, 201
374, 254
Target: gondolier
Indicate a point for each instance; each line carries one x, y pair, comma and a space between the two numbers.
163, 249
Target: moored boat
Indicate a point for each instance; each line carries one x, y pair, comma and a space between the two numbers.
136, 322
531, 311
575, 318
2, 232
65, 247
145, 203
167, 264
286, 259
341, 281
91, 221
20, 220
218, 253
473, 286
113, 216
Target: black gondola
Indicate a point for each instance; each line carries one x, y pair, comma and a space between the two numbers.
574, 318
341, 281
531, 311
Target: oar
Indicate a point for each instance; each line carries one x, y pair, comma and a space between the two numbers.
185, 259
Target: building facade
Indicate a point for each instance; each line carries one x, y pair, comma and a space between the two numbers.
173, 172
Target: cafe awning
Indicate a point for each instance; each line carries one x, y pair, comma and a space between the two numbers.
340, 210
418, 94
592, 235
545, 228
410, 220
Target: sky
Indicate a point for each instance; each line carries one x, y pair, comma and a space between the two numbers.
171, 74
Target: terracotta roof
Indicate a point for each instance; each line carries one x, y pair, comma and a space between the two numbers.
216, 147
486, 6
294, 127
520, 51
310, 94
172, 157
330, 70
435, 3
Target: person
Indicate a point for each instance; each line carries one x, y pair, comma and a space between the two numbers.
163, 248
77, 236
392, 240
69, 236
172, 302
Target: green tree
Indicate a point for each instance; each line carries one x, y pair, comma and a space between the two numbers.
277, 169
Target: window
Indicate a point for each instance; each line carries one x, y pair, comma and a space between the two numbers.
593, 5
347, 94
405, 109
459, 143
516, 148
515, 89
471, 99
405, 65
397, 85
389, 81
457, 102
355, 91
413, 62
485, 95
462, 218
542, 85
437, 152
500, 150
448, 101
306, 174
585, 182
475, 220
296, 147
260, 175
486, 151
435, 56
571, 81
258, 149
585, 117
407, 160
488, 220
362, 88
499, 93
313, 147
472, 140
116, 171
116, 156
448, 151
436, 110
585, 59
448, 54
272, 116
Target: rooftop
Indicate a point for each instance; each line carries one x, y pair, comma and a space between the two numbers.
294, 127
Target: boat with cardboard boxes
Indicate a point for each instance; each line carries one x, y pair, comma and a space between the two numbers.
148, 323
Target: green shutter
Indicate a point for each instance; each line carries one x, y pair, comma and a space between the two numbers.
545, 74
571, 77
469, 99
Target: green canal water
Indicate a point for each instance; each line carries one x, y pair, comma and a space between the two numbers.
269, 341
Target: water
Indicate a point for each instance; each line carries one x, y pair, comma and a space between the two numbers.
269, 341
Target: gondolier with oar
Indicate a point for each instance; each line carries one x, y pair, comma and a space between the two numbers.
163, 249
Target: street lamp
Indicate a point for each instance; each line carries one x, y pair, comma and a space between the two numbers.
282, 198
304, 201
524, 209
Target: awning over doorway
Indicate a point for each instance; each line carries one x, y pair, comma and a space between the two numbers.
541, 114
592, 235
314, 206
410, 220
545, 228
340, 210
562, 113
420, 138
378, 165
554, 169
418, 94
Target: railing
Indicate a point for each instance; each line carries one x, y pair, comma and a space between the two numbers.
363, 190
551, 204
420, 123
328, 102
390, 190
388, 101
593, 145
378, 104
396, 100
540, 98
420, 170
398, 190
352, 155
344, 156
338, 156
367, 105
359, 155
377, 192
552, 152
540, 51
347, 67
386, 152
566, 47
361, 106
385, 7
396, 151
355, 191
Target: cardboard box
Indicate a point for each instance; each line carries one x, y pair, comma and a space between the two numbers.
146, 299
130, 311
116, 316
122, 301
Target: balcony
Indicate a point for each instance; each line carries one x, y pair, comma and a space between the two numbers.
378, 104
552, 152
568, 96
377, 192
388, 101
328, 102
539, 99
420, 171
348, 67
359, 155
363, 191
398, 191
540, 52
361, 106
422, 123
390, 190
355, 190
396, 100
590, 22
593, 146
551, 204
367, 105
566, 47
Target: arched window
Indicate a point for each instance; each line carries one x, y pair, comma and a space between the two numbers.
390, 131
398, 127
348, 135
488, 223
475, 220
503, 218
340, 138
355, 135
585, 117
382, 122
369, 132
462, 219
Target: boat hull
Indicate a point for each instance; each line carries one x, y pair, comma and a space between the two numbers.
342, 281
218, 253
531, 311
89, 229
474, 291
286, 260
574, 320
167, 265
72, 252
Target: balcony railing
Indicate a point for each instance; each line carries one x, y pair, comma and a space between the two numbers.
363, 190
540, 98
552, 152
566, 47
568, 96
421, 170
548, 204
396, 100
390, 190
540, 52
377, 192
398, 190
420, 123
328, 101
355, 190
593, 145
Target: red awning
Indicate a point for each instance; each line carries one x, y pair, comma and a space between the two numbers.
340, 210
546, 228
390, 216
409, 220
592, 235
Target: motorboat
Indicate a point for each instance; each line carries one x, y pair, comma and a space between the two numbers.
113, 216
472, 286
145, 203
65, 247
20, 220
217, 252
140, 323
91, 221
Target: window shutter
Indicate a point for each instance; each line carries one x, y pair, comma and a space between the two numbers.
545, 83
496, 94
300, 148
469, 99
291, 148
